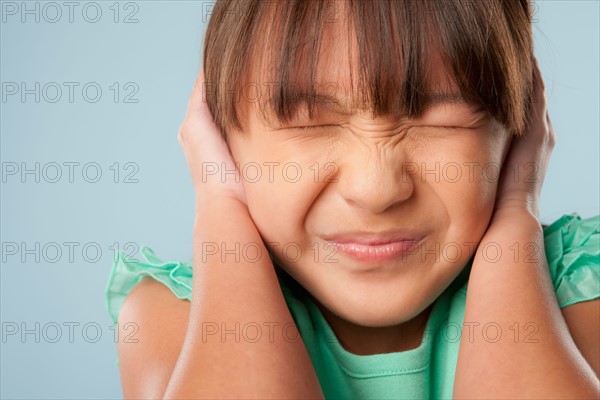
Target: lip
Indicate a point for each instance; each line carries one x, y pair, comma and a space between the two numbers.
374, 238
375, 247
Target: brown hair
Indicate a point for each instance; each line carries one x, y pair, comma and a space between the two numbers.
487, 46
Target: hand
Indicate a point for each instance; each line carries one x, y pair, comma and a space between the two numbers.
512, 284
231, 287
524, 169
209, 159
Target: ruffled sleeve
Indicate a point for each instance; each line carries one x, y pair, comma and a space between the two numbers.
126, 272
572, 247
573, 253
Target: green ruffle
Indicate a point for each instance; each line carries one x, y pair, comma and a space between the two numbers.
572, 249
126, 272
573, 253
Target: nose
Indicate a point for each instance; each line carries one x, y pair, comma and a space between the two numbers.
375, 180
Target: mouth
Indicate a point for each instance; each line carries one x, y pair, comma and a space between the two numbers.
376, 247
381, 252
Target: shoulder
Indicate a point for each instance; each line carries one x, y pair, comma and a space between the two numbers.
127, 272
152, 326
152, 301
572, 249
583, 321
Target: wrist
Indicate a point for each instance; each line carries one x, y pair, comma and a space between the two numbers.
522, 207
522, 204
216, 200
514, 222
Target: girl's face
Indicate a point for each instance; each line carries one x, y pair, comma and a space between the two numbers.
351, 173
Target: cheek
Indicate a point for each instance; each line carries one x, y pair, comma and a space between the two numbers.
280, 186
274, 209
466, 178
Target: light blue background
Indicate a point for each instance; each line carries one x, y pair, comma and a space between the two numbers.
161, 54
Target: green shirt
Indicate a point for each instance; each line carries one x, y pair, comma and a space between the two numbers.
572, 249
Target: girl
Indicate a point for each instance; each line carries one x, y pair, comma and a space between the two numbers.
367, 178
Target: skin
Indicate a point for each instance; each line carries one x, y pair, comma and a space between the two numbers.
372, 311
551, 366
368, 187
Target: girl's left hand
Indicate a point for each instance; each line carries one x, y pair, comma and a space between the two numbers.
524, 169
512, 286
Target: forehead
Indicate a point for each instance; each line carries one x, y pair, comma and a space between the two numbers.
338, 58
339, 62
336, 73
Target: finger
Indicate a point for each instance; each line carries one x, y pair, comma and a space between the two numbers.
551, 132
538, 73
524, 147
197, 102
538, 95
198, 97
198, 113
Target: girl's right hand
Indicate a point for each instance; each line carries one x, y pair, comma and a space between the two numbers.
229, 287
214, 173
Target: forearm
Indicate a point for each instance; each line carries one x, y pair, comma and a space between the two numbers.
525, 350
269, 362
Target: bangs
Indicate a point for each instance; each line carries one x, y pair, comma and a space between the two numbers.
272, 54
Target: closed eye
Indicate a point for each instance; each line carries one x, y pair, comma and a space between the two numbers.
309, 127
314, 127
447, 127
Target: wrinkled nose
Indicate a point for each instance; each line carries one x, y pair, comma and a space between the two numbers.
375, 181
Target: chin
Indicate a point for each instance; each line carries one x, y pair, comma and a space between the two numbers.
375, 311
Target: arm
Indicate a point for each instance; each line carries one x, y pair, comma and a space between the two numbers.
510, 293
231, 292
535, 356
211, 348
583, 320
152, 324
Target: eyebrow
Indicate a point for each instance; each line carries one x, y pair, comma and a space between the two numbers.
328, 102
435, 98
335, 104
